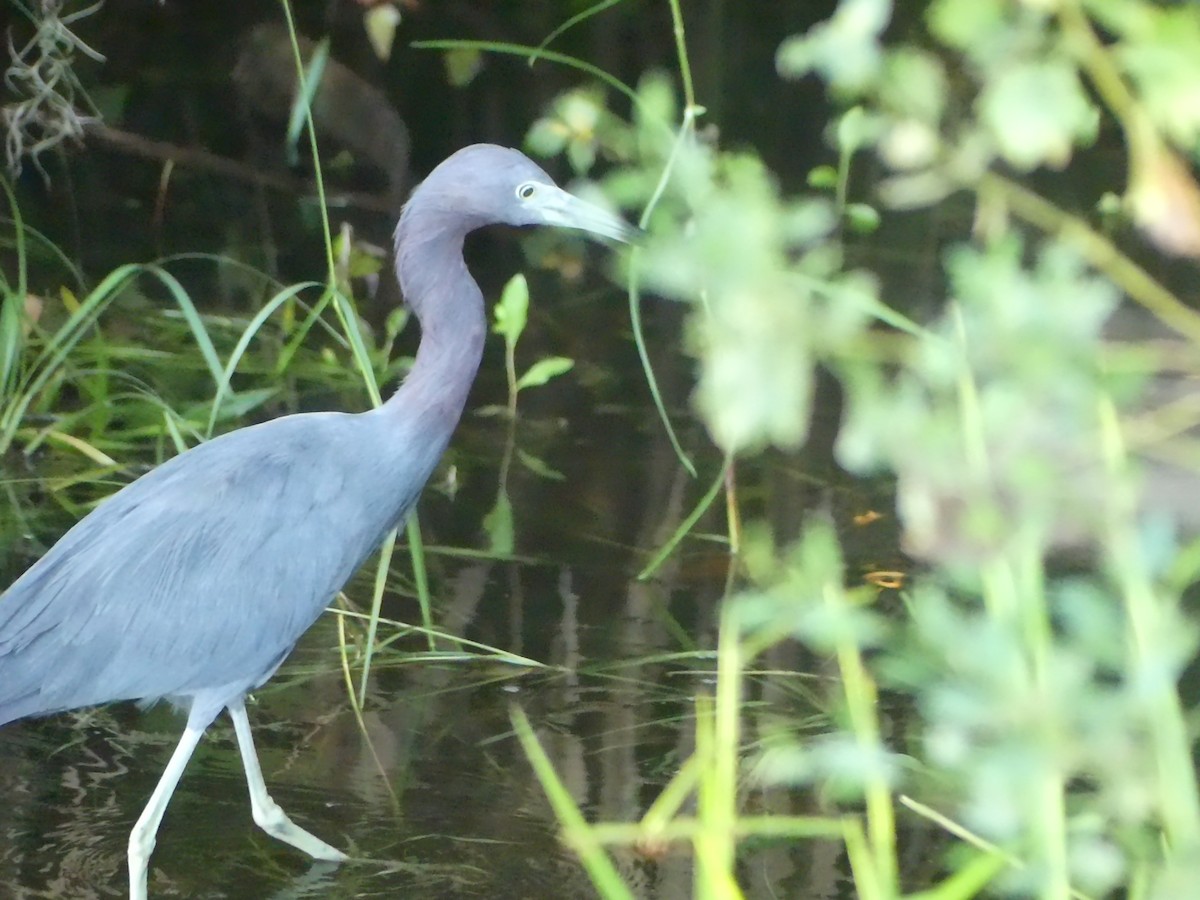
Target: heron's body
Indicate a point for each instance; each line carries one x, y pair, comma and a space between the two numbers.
195, 581
67, 638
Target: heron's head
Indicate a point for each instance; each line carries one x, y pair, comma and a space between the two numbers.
489, 185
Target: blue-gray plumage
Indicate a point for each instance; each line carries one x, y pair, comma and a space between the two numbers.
195, 581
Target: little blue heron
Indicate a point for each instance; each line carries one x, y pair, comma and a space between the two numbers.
195, 581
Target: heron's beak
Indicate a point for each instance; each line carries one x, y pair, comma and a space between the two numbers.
568, 211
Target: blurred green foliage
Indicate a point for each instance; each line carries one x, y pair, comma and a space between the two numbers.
1049, 728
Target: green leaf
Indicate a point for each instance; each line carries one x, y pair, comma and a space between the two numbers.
914, 84
823, 178
546, 137
538, 467
1036, 112
581, 155
363, 264
396, 321
844, 49
656, 109
968, 24
313, 73
462, 65
498, 524
1162, 55
380, 22
854, 130
512, 310
543, 370
862, 218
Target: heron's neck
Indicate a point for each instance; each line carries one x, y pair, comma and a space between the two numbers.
449, 306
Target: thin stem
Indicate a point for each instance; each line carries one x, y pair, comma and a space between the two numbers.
416, 553
1150, 617
687, 524
1098, 63
685, 133
861, 703
536, 53
685, 68
569, 24
381, 572
510, 371
358, 715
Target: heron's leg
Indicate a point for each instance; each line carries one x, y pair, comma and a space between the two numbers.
267, 814
142, 838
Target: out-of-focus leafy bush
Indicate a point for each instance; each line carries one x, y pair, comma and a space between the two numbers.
1049, 722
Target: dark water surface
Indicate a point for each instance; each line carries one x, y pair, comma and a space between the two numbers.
614, 715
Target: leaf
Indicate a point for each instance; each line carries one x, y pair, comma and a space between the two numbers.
854, 130
363, 263
498, 524
543, 370
546, 137
914, 85
70, 301
490, 410
538, 467
512, 310
968, 25
396, 322
823, 178
380, 22
862, 218
844, 49
313, 73
581, 155
1036, 112
657, 106
462, 65
1162, 55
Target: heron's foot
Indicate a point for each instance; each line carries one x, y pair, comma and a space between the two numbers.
275, 822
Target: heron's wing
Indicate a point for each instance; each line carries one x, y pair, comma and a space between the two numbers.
201, 574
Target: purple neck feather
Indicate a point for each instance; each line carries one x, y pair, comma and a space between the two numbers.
449, 306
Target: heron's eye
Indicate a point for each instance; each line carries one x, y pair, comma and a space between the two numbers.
526, 190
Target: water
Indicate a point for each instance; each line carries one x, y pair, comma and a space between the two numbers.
612, 705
